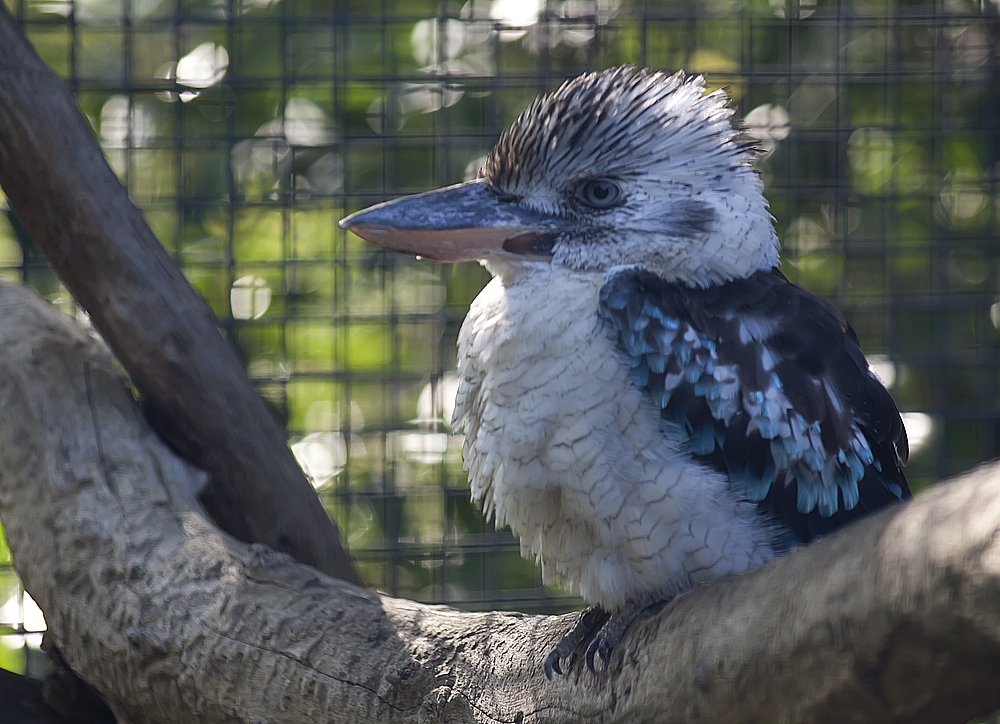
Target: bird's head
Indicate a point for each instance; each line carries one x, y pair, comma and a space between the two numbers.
620, 167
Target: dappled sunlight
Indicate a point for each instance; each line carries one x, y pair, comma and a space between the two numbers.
124, 125
202, 68
809, 249
461, 47
767, 124
250, 297
263, 166
427, 448
434, 40
799, 10
962, 199
321, 455
919, 429
436, 402
516, 14
870, 153
882, 366
22, 624
810, 100
306, 124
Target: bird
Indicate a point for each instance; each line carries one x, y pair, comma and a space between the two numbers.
648, 403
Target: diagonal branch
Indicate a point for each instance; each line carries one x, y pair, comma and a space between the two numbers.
79, 215
894, 619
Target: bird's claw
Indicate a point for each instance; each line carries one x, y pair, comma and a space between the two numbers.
612, 633
552, 664
590, 621
598, 647
595, 634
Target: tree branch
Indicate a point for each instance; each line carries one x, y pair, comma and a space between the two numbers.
77, 213
895, 619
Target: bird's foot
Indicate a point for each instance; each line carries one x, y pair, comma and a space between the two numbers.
590, 621
612, 631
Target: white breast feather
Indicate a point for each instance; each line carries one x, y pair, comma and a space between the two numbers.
564, 449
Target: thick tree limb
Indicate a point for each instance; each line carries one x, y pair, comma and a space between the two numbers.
896, 619
58, 183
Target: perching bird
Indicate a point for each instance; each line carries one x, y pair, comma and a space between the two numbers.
647, 402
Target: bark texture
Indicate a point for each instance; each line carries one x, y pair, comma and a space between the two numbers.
895, 619
164, 334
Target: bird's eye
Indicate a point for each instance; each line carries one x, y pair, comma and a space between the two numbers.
600, 193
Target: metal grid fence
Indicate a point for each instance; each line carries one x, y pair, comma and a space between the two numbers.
246, 129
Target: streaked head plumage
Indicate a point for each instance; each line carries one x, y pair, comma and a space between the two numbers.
618, 122
686, 203
621, 167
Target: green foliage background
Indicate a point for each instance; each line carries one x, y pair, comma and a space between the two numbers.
880, 121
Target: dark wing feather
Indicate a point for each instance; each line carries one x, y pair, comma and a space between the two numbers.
768, 384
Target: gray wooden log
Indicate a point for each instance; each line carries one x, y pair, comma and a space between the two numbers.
895, 619
69, 200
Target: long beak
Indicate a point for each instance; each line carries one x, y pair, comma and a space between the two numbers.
458, 223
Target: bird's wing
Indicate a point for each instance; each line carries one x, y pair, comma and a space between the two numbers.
768, 384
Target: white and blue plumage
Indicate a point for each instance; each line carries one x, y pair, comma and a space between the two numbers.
647, 402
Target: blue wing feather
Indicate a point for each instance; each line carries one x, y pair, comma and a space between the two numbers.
769, 385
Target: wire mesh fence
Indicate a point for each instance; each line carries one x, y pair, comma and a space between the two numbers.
245, 129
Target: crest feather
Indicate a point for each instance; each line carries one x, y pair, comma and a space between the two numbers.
617, 122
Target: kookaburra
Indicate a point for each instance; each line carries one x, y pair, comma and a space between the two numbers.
647, 402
